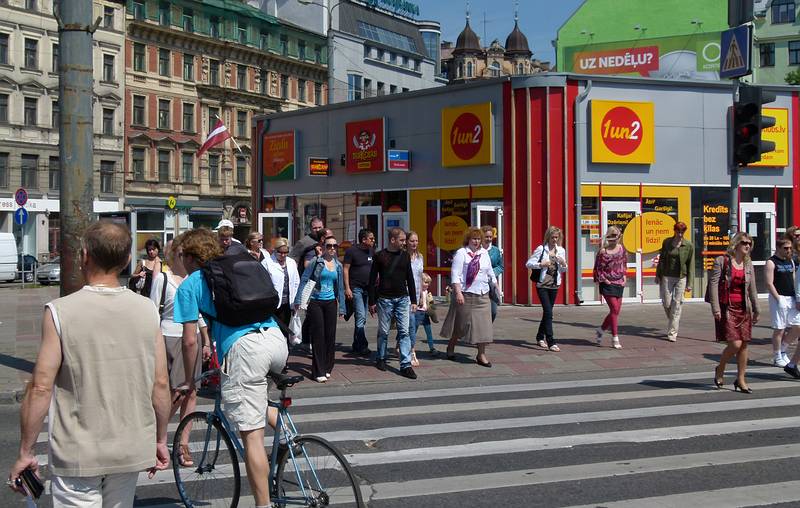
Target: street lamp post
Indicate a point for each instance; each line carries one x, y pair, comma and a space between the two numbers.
329, 9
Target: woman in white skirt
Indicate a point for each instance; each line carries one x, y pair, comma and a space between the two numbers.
470, 315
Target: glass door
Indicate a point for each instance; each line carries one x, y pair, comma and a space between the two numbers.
622, 214
758, 220
394, 220
490, 214
369, 217
275, 225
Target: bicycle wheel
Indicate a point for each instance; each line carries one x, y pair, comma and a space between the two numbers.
318, 476
213, 480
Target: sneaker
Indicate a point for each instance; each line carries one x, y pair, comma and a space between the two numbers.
380, 365
542, 344
615, 343
785, 357
328, 375
792, 371
408, 372
554, 348
321, 379
779, 361
672, 339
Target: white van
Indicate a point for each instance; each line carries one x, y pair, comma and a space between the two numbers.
8, 257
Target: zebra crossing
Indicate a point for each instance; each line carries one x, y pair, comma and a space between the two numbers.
661, 440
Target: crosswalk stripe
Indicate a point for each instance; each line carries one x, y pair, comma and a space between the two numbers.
734, 497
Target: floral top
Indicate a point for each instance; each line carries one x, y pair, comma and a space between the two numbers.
610, 268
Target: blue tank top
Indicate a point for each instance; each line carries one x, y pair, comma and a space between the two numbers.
783, 277
327, 279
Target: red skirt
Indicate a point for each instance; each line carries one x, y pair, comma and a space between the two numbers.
736, 323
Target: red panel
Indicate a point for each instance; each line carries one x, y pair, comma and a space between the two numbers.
571, 240
796, 159
538, 170
507, 176
520, 219
555, 172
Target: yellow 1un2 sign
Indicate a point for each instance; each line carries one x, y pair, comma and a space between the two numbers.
778, 134
467, 138
623, 132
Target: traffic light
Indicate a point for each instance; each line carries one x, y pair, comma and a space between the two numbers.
748, 123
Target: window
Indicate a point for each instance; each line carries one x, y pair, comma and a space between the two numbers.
301, 50
381, 54
138, 9
138, 57
163, 114
392, 58
213, 169
188, 67
108, 17
30, 5
317, 93
30, 53
137, 164
108, 121
213, 72
55, 115
241, 171
405, 61
301, 90
163, 14
766, 51
54, 174
317, 53
213, 27
469, 69
417, 65
284, 45
29, 164
163, 62
187, 165
241, 124
4, 170
353, 87
188, 117
381, 89
392, 89
30, 111
4, 49
405, 89
521, 68
3, 108
213, 113
384, 36
188, 20
367, 51
241, 77
106, 177
794, 52
284, 86
494, 69
242, 33
163, 166
262, 82
55, 57
782, 11
138, 110
263, 41
108, 68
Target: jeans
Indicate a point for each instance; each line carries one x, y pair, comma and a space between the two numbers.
360, 300
548, 298
672, 289
421, 318
399, 309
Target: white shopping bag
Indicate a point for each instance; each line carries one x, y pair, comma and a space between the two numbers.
295, 328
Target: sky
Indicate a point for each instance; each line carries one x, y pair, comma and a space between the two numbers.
538, 19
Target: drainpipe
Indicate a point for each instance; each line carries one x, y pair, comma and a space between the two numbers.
580, 161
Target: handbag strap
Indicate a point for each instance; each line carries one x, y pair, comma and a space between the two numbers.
163, 297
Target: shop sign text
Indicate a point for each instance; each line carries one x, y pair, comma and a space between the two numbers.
654, 228
623, 132
617, 61
448, 233
365, 146
778, 134
319, 166
716, 221
467, 135
279, 155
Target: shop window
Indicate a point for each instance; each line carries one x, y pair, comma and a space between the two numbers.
149, 224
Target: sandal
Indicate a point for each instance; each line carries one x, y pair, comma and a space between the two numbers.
185, 456
554, 348
414, 361
542, 344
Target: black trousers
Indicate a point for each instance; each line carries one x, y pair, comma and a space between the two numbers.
548, 298
284, 315
321, 318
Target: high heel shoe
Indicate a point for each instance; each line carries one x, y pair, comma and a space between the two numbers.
718, 380
744, 389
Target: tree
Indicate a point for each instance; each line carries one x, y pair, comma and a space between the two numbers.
793, 77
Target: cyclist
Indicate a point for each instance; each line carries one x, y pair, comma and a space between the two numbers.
246, 353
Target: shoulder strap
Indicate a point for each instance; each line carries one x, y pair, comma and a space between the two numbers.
163, 297
541, 256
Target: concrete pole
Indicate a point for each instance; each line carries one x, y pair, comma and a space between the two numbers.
75, 134
734, 169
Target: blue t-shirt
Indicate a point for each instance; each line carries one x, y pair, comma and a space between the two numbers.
194, 297
327, 278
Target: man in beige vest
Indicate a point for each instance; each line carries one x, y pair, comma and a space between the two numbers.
102, 375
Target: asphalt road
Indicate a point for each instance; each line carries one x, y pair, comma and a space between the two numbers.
639, 438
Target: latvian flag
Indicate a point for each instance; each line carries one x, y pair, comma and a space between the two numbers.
215, 137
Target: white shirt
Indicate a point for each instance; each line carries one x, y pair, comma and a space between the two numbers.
458, 273
276, 274
416, 270
169, 328
533, 262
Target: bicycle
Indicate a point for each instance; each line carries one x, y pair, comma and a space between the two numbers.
303, 471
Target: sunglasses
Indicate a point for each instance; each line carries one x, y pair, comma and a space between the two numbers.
284, 252
612, 237
787, 247
746, 243
331, 245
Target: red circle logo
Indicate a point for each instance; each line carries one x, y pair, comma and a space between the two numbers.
621, 130
466, 136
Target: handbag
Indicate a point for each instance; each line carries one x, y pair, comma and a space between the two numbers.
536, 273
308, 289
296, 328
494, 294
431, 312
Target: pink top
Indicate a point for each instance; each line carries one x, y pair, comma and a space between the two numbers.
610, 268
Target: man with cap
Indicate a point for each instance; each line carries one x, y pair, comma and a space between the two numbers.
229, 244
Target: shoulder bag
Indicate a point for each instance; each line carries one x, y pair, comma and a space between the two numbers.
536, 273
308, 289
722, 278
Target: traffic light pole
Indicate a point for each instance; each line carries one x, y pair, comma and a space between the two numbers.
734, 169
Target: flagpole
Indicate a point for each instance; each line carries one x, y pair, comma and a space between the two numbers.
232, 138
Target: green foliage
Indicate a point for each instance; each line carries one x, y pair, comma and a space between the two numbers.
793, 77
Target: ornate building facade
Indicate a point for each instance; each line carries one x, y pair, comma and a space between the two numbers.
189, 64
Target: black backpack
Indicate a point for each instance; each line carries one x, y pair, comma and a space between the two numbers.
242, 289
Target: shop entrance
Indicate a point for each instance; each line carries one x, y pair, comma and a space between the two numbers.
393, 220
758, 220
369, 217
490, 214
275, 225
622, 214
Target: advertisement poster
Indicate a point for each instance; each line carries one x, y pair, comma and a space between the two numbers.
366, 141
716, 222
279, 156
446, 231
682, 57
778, 134
623, 132
467, 138
319, 166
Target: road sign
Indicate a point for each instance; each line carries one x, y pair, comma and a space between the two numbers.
21, 196
399, 160
737, 45
21, 216
172, 202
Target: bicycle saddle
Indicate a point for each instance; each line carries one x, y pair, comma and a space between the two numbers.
282, 381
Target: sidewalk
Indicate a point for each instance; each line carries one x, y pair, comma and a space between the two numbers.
514, 352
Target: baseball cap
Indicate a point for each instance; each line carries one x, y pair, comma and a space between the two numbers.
224, 223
